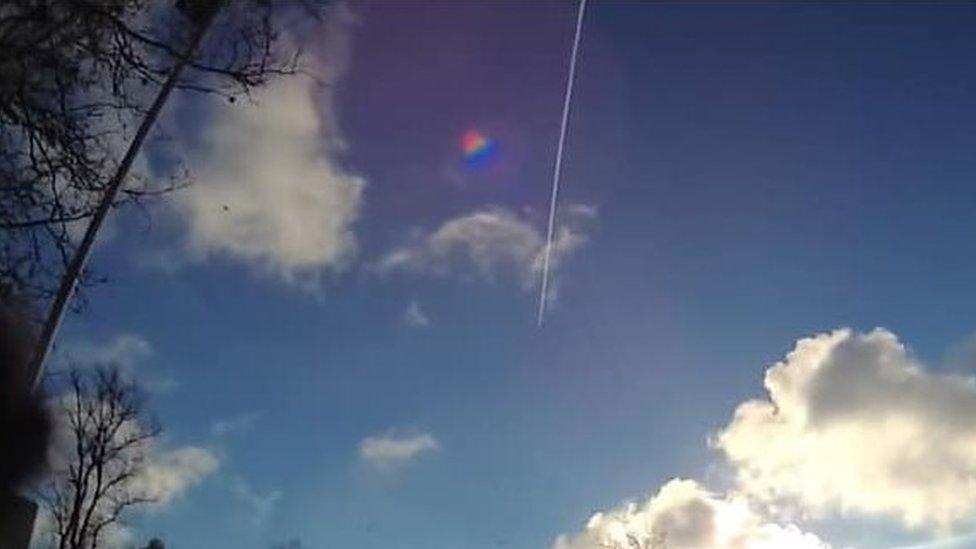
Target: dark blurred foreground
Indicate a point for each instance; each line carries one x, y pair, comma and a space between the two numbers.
24, 429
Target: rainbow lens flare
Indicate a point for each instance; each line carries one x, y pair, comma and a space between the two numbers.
476, 147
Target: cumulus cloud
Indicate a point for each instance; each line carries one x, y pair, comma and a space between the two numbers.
138, 473
489, 244
161, 474
138, 466
166, 476
269, 185
392, 450
414, 316
683, 515
852, 423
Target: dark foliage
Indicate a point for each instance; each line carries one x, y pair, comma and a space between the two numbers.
101, 453
24, 425
75, 80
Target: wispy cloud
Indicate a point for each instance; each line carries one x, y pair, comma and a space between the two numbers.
260, 506
391, 450
125, 351
489, 244
238, 424
961, 541
128, 352
414, 316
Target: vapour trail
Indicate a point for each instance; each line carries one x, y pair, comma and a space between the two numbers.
558, 166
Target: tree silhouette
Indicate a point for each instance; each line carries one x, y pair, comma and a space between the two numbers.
76, 79
105, 434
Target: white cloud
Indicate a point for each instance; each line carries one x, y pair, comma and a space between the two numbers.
269, 187
148, 470
127, 351
165, 477
169, 474
161, 474
414, 316
487, 241
489, 244
854, 424
583, 210
260, 506
391, 449
235, 425
683, 515
961, 541
114, 536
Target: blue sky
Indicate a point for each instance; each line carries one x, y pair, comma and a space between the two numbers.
751, 174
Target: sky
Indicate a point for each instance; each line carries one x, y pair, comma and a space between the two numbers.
760, 332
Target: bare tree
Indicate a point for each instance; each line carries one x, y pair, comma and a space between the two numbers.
75, 79
105, 435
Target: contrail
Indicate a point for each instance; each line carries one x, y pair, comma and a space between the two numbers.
558, 167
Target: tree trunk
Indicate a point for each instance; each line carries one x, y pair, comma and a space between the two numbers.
69, 282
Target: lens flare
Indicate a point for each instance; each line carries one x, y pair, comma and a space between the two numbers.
476, 147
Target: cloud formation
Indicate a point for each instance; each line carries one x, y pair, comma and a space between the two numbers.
270, 188
414, 316
166, 476
235, 425
159, 475
853, 424
162, 474
392, 450
489, 244
128, 352
683, 515
169, 474
260, 506
125, 350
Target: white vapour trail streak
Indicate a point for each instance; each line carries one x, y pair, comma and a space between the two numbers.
558, 166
